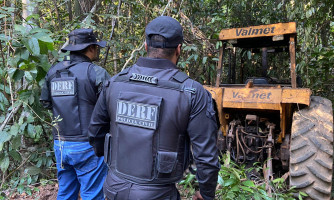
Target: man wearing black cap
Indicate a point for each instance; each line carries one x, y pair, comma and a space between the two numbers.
71, 90
153, 112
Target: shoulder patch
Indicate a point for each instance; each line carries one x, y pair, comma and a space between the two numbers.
144, 78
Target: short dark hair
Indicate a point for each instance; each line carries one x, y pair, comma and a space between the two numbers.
153, 52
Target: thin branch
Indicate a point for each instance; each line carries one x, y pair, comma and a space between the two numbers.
2, 55
93, 10
4, 4
132, 54
142, 3
5, 178
57, 14
163, 12
11, 93
10, 116
69, 5
112, 30
36, 113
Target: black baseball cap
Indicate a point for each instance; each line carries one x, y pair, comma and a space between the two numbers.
167, 27
79, 39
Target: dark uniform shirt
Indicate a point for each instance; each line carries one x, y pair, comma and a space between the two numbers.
202, 128
83, 81
97, 75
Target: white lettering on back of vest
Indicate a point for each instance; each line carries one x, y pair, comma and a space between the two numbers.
137, 114
62, 88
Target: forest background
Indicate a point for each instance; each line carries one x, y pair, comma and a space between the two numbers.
33, 31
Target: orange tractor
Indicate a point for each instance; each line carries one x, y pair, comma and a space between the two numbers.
271, 121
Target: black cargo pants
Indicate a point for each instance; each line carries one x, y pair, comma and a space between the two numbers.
116, 188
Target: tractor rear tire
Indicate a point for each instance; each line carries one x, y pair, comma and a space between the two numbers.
311, 149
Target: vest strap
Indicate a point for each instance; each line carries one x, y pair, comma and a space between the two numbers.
66, 65
180, 77
161, 83
124, 72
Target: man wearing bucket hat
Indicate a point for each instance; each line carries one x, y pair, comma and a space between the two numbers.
71, 90
154, 112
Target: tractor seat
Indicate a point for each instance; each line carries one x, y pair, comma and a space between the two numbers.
258, 80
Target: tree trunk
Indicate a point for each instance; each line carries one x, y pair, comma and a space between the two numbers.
83, 6
77, 8
57, 14
26, 11
69, 8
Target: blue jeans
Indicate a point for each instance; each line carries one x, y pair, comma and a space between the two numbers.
79, 169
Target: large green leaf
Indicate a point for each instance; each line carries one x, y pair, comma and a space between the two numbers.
247, 189
45, 47
38, 131
44, 62
4, 37
18, 74
4, 162
16, 142
15, 155
33, 16
23, 53
4, 137
248, 183
25, 95
15, 129
30, 118
229, 182
32, 170
32, 45
20, 28
3, 99
28, 76
43, 37
40, 74
31, 130
28, 66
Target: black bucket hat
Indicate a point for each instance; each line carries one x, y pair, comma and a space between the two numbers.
167, 27
79, 39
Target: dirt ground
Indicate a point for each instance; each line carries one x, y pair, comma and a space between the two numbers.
45, 192
49, 192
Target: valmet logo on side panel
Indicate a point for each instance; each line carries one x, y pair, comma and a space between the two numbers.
253, 95
254, 31
258, 95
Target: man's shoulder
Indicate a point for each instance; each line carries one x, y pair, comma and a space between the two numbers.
55, 67
98, 69
199, 87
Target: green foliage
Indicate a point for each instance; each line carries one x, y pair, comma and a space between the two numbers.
234, 184
25, 138
30, 46
189, 185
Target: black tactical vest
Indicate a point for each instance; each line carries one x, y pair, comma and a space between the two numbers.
149, 119
73, 99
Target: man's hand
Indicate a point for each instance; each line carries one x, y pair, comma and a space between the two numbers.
197, 196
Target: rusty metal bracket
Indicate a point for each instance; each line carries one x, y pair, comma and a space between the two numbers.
285, 152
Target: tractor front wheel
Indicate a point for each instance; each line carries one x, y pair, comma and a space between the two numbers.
311, 149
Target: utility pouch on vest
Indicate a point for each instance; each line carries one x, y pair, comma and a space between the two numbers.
107, 148
137, 119
166, 161
65, 102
